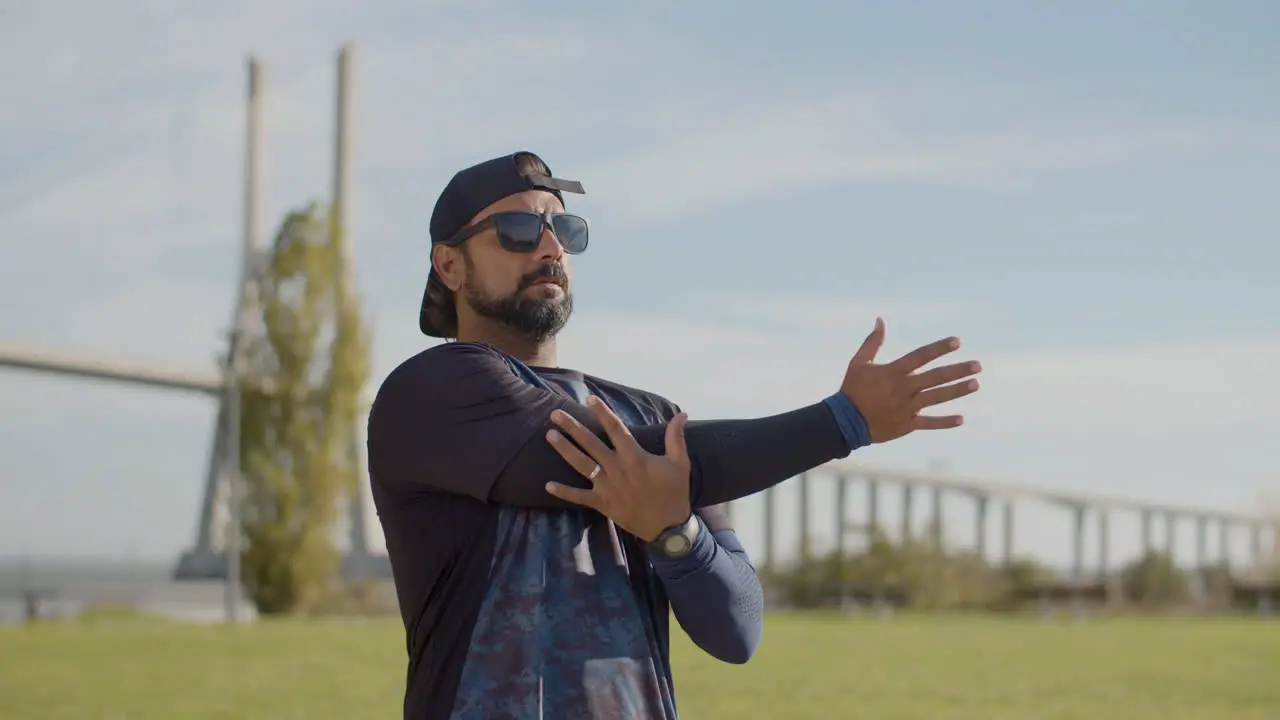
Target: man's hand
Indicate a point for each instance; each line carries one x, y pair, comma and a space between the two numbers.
891, 397
642, 493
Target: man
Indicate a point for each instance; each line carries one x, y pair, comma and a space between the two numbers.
541, 522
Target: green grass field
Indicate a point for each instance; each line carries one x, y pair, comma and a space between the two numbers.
809, 667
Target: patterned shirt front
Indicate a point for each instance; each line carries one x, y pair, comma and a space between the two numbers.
512, 612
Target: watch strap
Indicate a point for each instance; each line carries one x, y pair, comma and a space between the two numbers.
686, 532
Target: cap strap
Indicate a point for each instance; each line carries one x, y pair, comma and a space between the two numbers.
551, 183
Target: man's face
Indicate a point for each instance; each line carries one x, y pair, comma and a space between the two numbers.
528, 293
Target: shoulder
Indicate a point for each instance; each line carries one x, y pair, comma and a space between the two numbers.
661, 406
438, 363
438, 378
439, 368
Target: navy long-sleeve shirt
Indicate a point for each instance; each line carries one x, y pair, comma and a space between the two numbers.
519, 605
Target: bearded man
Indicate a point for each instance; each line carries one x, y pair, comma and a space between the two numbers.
542, 524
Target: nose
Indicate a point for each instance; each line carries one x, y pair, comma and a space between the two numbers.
549, 247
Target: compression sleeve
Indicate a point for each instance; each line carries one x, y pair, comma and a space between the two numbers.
730, 459
457, 419
715, 593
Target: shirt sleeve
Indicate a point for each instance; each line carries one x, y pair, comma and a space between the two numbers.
453, 419
714, 591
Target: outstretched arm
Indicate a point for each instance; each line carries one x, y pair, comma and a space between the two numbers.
458, 419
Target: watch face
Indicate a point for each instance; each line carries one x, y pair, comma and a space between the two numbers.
676, 544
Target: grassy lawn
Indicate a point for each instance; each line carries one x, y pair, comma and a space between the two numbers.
809, 667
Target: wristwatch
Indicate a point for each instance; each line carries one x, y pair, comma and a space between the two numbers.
677, 540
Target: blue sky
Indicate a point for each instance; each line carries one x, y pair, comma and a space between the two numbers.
1084, 194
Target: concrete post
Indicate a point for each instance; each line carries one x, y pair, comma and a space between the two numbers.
1077, 543
1111, 580
873, 508
1202, 543
344, 131
1104, 543
805, 549
935, 529
1255, 543
769, 528
1224, 542
908, 491
980, 526
842, 513
1008, 532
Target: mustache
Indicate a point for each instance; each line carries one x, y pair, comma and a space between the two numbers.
546, 271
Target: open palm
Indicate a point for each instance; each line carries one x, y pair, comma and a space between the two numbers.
891, 396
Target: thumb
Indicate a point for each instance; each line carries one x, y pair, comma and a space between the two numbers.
677, 449
870, 346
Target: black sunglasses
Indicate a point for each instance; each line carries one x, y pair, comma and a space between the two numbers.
520, 231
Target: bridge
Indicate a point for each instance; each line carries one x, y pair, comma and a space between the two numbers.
983, 491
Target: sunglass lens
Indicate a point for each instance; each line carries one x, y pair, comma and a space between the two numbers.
518, 231
571, 230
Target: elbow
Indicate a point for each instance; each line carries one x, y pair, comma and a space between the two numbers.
749, 627
736, 648
740, 653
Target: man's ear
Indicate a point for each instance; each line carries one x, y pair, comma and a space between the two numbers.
447, 261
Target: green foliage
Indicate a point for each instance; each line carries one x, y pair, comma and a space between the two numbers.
1024, 574
1216, 583
302, 374
924, 576
1266, 569
921, 571
1154, 580
358, 598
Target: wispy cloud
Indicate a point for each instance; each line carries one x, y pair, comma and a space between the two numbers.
843, 315
720, 368
788, 145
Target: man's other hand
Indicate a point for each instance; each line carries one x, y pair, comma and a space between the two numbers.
892, 396
642, 493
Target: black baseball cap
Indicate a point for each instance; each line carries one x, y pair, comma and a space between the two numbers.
474, 189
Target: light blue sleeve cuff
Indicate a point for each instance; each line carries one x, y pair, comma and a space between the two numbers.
852, 425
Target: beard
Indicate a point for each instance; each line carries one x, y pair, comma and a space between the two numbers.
533, 319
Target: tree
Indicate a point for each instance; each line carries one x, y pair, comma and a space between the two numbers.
302, 374
1154, 580
919, 572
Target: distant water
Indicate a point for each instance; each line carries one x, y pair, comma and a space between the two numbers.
67, 586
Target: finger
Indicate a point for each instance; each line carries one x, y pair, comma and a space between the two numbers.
624, 443
867, 352
936, 422
946, 393
922, 356
577, 496
577, 459
585, 439
677, 449
944, 375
